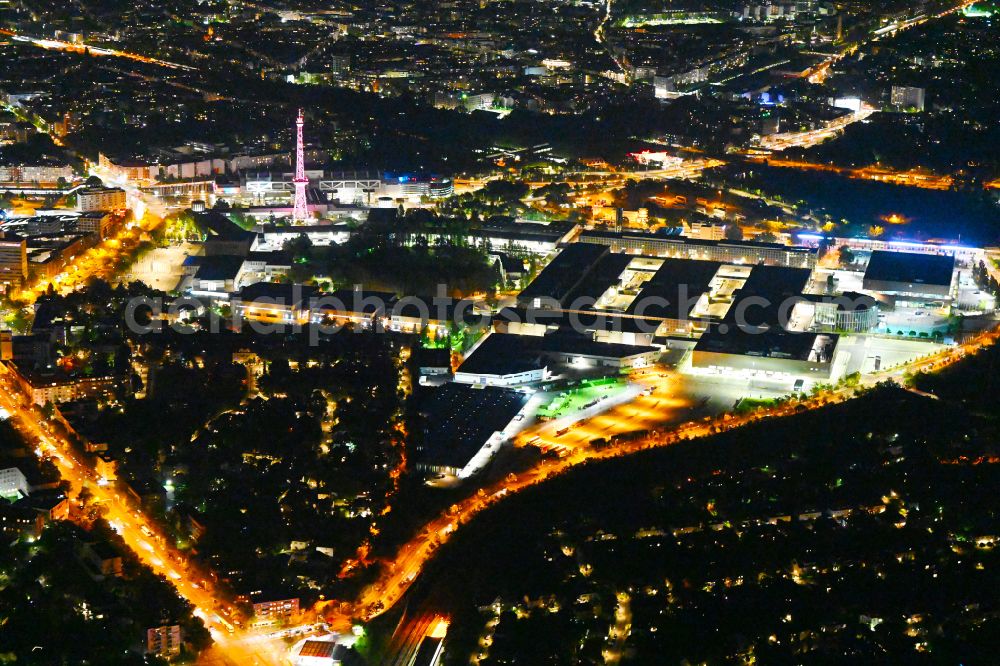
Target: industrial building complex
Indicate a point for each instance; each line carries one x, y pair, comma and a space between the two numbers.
607, 304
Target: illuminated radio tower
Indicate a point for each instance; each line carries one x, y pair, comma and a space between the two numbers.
300, 213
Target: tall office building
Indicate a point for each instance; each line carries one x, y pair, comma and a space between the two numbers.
13, 261
907, 97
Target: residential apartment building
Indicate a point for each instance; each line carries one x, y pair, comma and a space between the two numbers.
164, 641
13, 261
100, 199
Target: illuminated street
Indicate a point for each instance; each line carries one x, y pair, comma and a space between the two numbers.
809, 138
92, 50
144, 539
919, 179
403, 570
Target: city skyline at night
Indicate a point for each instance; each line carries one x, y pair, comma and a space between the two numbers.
498, 332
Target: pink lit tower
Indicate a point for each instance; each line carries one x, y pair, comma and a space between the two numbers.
300, 213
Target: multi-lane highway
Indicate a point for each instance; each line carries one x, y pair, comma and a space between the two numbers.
59, 45
809, 138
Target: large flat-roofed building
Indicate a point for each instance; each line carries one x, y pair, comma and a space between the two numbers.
222, 236
602, 326
415, 314
921, 276
464, 426
574, 349
674, 288
96, 222
273, 303
505, 359
963, 254
13, 130
907, 97
283, 303
102, 558
502, 360
430, 652
267, 613
774, 283
213, 275
753, 339
263, 267
343, 187
35, 173
774, 354
530, 238
49, 255
356, 307
272, 238
738, 252
595, 280
557, 281
642, 300
616, 295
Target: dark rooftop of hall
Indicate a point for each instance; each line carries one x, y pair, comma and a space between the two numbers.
427, 651
509, 262
683, 240
910, 267
431, 357
674, 289
218, 266
673, 284
776, 281
276, 292
596, 320
502, 354
564, 273
273, 257
597, 280
771, 343
218, 225
763, 298
458, 419
567, 341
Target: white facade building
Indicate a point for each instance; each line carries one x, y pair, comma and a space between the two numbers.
13, 485
100, 198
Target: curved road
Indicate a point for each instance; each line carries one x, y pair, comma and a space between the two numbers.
400, 573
